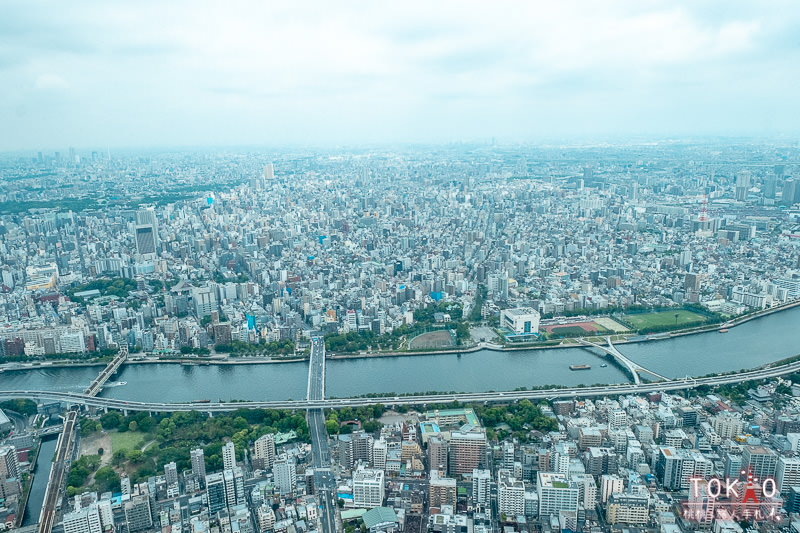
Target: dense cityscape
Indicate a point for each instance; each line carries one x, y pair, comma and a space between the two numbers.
125, 260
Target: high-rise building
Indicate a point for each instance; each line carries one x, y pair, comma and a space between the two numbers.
198, 463
466, 451
442, 490
145, 240
380, 450
787, 474
85, 520
264, 452
215, 492
675, 467
171, 473
437, 453
368, 488
228, 456
233, 480
556, 494
510, 494
609, 484
481, 486
761, 461
791, 192
727, 424
138, 514
285, 474
9, 465
627, 509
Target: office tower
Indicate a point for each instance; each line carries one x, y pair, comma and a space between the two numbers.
145, 240
269, 171
727, 425
627, 509
763, 462
481, 486
379, 452
198, 463
285, 475
675, 467
171, 473
793, 500
138, 514
264, 452
437, 453
510, 494
86, 520
556, 494
609, 484
233, 481
742, 185
601, 461
442, 490
368, 489
788, 473
791, 192
770, 186
9, 466
466, 451
228, 456
215, 492
508, 455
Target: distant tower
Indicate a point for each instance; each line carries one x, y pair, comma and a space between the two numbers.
704, 209
269, 172
146, 232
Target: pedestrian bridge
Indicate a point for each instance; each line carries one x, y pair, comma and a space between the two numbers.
632, 368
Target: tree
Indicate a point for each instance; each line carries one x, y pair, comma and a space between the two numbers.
332, 426
133, 426
111, 420
100, 451
340, 503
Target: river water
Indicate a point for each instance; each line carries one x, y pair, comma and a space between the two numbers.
42, 474
754, 343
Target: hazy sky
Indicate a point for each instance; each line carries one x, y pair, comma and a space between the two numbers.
97, 73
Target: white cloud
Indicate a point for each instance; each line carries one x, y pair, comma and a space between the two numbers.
371, 70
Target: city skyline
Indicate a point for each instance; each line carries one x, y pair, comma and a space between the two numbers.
100, 75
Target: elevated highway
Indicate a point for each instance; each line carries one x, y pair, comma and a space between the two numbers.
324, 480
58, 473
632, 368
73, 398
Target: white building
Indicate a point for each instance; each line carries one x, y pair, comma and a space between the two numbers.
285, 475
520, 320
481, 486
556, 494
368, 488
510, 494
788, 473
228, 456
264, 452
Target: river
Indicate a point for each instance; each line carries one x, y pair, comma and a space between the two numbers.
42, 474
748, 345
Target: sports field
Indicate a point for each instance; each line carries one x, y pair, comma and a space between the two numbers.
432, 339
575, 329
664, 318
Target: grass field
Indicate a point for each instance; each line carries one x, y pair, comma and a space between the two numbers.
128, 440
664, 318
432, 339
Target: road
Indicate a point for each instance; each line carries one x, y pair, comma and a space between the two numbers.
322, 403
324, 480
58, 472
